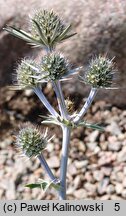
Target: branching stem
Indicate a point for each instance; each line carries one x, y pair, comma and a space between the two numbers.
86, 106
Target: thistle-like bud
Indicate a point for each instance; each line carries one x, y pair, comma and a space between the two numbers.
69, 105
25, 71
49, 28
54, 67
31, 141
100, 73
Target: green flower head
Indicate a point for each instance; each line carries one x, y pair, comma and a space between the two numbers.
46, 30
31, 141
25, 71
100, 73
54, 66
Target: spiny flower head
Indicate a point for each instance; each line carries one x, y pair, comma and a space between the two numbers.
31, 141
100, 73
54, 66
48, 23
46, 30
25, 71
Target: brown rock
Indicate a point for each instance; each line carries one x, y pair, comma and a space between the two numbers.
99, 30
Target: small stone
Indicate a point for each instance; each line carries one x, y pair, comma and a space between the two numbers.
88, 177
28, 92
115, 197
81, 146
53, 162
122, 155
92, 146
80, 194
72, 169
124, 182
90, 188
6, 142
98, 175
105, 197
77, 181
93, 136
106, 158
124, 193
10, 192
115, 146
102, 186
50, 147
106, 170
113, 128
110, 189
81, 164
119, 188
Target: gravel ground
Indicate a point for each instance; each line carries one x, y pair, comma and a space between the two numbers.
97, 161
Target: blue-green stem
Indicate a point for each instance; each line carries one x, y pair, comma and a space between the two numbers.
86, 106
46, 103
64, 159
60, 99
46, 167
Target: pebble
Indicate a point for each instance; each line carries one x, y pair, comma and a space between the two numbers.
115, 146
93, 136
81, 164
72, 169
98, 175
77, 182
124, 182
113, 128
110, 189
102, 186
124, 193
92, 146
90, 188
10, 192
80, 194
106, 170
105, 197
118, 188
53, 162
106, 158
122, 155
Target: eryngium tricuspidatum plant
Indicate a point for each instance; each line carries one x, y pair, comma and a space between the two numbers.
46, 29
100, 73
31, 141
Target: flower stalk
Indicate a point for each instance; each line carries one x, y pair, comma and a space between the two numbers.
47, 168
46, 103
64, 160
86, 106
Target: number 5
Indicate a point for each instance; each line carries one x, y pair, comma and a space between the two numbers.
117, 207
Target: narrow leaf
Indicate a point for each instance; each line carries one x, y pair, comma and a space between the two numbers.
65, 32
41, 33
32, 186
68, 36
93, 126
54, 36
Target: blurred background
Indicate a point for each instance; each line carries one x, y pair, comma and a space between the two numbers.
97, 161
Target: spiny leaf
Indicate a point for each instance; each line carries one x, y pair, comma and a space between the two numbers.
65, 32
40, 33
93, 126
68, 36
44, 185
